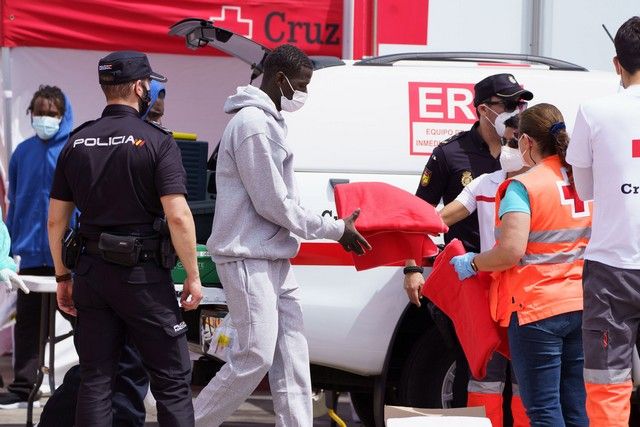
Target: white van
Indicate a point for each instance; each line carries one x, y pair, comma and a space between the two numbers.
378, 120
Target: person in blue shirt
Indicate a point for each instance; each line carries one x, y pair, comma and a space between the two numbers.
30, 176
154, 113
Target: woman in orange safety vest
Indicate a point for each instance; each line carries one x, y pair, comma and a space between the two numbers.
542, 229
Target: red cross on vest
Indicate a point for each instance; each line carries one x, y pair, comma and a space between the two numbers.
569, 196
231, 19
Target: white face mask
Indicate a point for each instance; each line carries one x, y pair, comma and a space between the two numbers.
499, 121
45, 126
296, 102
524, 154
510, 159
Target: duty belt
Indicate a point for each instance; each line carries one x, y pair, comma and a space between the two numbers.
150, 249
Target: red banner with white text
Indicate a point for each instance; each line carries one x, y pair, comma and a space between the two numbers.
313, 25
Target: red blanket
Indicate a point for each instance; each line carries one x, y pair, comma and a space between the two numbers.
467, 305
396, 223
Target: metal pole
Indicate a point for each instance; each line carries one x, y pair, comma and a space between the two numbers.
7, 100
535, 28
347, 29
374, 31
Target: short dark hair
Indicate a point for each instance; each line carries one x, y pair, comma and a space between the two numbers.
286, 58
53, 94
627, 42
119, 91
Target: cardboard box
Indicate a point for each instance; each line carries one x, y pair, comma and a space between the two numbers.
416, 416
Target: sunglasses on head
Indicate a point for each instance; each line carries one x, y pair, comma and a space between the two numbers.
509, 105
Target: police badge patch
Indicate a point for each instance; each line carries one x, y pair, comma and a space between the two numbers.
466, 178
426, 177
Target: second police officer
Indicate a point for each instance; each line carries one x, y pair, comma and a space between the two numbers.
467, 155
124, 174
455, 163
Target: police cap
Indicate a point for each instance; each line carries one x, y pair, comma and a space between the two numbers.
124, 66
500, 85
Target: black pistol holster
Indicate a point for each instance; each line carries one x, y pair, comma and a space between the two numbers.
71, 248
167, 256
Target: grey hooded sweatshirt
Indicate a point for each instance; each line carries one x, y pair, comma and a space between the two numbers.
258, 212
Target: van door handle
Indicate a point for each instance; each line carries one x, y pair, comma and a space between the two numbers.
336, 181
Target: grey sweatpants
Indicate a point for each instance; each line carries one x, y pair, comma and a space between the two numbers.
262, 297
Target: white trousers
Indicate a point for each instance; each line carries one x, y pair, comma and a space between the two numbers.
262, 297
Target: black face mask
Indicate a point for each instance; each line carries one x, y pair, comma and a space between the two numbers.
143, 102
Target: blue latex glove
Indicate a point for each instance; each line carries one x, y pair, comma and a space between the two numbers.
462, 265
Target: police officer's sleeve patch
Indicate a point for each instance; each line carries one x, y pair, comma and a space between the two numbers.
466, 178
426, 177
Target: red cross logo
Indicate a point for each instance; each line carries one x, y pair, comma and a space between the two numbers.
231, 19
569, 196
635, 148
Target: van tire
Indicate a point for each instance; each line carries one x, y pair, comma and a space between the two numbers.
427, 379
363, 405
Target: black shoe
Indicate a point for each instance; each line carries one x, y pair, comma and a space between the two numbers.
13, 401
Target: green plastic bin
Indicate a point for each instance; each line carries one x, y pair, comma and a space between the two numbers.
206, 266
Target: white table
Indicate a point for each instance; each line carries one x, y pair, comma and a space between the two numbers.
46, 286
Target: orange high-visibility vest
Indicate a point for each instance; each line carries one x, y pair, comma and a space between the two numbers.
548, 279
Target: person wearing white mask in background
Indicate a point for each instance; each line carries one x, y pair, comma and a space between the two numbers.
479, 196
257, 226
30, 175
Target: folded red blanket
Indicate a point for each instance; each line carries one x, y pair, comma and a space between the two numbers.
395, 222
467, 305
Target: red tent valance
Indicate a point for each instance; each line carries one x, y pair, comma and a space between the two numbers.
313, 25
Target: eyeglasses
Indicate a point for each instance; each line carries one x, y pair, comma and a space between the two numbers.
509, 105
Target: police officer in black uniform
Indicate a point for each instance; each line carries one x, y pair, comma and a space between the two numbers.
125, 175
453, 165
465, 156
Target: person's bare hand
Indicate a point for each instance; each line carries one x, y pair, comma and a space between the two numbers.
64, 296
191, 293
413, 283
351, 239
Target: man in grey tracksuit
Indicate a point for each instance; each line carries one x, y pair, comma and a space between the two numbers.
257, 227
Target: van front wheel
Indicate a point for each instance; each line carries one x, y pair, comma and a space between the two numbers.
429, 374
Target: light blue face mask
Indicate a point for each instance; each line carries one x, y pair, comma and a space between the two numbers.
45, 126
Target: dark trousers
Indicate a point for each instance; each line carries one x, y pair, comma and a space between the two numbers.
139, 302
130, 387
131, 384
26, 337
548, 360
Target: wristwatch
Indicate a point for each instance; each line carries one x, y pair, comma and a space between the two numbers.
63, 277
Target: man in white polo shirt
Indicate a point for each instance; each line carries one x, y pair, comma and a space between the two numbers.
479, 196
605, 154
